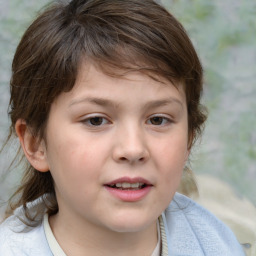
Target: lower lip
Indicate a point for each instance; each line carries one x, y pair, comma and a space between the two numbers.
129, 195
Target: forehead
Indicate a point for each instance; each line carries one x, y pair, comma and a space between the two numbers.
136, 89
141, 71
91, 75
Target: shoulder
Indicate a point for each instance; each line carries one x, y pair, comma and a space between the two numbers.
194, 230
16, 238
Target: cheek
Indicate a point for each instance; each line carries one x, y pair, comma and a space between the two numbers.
173, 156
173, 153
75, 160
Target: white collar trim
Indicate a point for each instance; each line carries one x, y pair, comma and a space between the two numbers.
57, 251
53, 244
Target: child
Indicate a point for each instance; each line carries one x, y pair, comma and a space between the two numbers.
105, 100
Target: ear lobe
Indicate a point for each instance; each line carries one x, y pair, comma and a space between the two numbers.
34, 150
187, 155
190, 141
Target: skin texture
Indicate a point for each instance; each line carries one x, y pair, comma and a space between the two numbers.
104, 129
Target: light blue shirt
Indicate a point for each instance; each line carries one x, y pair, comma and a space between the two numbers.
190, 231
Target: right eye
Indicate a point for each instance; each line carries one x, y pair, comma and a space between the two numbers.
95, 121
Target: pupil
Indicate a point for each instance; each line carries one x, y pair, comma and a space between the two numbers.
156, 120
96, 120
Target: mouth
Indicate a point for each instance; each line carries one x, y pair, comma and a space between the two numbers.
128, 186
129, 189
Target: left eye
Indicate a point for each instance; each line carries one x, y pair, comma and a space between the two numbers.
158, 120
95, 121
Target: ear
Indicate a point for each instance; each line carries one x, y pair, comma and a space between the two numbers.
189, 146
34, 149
186, 157
191, 137
187, 154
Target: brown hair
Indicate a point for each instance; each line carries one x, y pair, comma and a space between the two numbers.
116, 35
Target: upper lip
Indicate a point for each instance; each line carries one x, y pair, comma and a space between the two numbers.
129, 180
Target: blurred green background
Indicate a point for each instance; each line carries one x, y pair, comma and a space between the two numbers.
224, 34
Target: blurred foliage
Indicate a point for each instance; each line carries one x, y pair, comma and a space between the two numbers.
224, 34
15, 16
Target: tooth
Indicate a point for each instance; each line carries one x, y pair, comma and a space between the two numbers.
135, 185
126, 185
118, 185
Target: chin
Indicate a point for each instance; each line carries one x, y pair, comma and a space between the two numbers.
129, 225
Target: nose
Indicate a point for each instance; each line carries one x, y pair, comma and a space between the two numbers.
130, 146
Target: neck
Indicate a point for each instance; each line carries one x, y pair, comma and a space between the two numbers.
77, 238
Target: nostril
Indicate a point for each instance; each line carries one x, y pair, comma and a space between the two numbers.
124, 159
136, 155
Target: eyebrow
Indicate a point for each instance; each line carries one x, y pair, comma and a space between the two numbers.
108, 103
97, 101
163, 102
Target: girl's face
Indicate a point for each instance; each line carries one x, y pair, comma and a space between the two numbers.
116, 148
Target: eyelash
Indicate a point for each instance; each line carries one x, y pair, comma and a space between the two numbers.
164, 120
88, 121
93, 120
